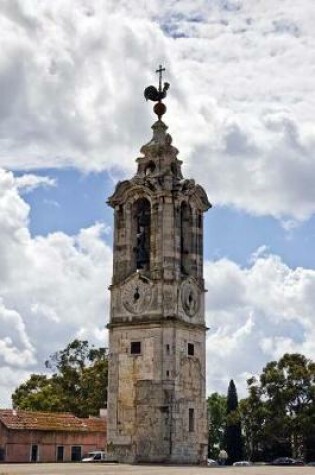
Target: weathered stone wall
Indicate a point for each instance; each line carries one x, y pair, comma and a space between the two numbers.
150, 394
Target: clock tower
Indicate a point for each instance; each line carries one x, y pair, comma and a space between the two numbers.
156, 390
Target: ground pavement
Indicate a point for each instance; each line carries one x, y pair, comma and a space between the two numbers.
118, 469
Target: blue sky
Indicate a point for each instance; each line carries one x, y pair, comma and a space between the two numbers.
72, 121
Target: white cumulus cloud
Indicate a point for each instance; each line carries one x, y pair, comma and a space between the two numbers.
255, 315
240, 105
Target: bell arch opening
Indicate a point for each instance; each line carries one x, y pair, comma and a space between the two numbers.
186, 237
142, 233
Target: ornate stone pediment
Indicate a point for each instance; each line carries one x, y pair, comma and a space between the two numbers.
135, 187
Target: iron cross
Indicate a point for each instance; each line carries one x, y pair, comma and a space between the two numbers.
160, 71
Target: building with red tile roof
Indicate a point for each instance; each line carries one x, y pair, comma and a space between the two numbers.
48, 436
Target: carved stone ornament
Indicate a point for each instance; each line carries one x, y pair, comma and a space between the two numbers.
190, 295
136, 294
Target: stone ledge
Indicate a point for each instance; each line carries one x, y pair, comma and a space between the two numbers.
149, 323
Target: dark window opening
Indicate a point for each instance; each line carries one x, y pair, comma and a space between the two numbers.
191, 349
135, 347
199, 220
34, 453
150, 168
60, 452
167, 373
2, 454
167, 349
191, 421
76, 453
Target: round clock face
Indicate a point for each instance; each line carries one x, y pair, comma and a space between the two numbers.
190, 298
136, 295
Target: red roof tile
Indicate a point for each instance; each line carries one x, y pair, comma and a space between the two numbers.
19, 420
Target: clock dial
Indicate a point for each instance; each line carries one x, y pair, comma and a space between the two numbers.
190, 295
136, 294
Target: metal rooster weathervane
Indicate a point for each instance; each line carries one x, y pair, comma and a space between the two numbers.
156, 95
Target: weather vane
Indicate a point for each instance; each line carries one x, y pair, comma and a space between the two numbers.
156, 95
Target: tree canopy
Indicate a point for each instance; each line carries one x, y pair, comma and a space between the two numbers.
216, 419
277, 417
279, 414
78, 382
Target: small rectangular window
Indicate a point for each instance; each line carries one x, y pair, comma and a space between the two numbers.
167, 373
191, 422
135, 347
191, 349
167, 349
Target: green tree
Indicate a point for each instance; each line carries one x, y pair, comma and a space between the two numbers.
216, 420
38, 393
78, 383
233, 434
279, 414
253, 415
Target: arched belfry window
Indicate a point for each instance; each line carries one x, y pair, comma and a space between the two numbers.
142, 225
186, 237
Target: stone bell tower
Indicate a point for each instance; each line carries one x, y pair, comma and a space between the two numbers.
156, 391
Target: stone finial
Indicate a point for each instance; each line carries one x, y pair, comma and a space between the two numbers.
160, 144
